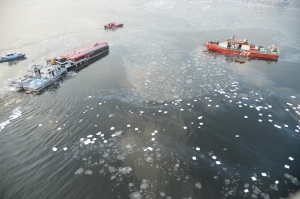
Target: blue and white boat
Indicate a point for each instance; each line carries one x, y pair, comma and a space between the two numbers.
9, 56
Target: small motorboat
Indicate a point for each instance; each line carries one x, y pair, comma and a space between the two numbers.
9, 56
113, 25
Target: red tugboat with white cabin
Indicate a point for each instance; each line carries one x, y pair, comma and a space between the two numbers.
113, 25
243, 48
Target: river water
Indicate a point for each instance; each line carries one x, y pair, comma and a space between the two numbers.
158, 117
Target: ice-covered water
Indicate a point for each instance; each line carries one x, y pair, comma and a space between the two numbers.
159, 116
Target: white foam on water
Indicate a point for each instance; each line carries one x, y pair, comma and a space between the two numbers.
15, 114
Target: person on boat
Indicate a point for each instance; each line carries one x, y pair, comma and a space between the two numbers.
217, 41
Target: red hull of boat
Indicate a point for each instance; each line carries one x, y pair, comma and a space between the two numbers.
114, 26
249, 53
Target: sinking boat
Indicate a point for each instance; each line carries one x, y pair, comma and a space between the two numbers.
9, 56
113, 25
243, 48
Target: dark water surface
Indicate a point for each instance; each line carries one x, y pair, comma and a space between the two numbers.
158, 117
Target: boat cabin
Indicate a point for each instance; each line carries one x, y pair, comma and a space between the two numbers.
35, 70
49, 71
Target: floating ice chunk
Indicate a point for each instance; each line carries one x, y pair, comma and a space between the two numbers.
200, 117
150, 148
277, 126
184, 127
276, 182
159, 111
260, 120
80, 120
246, 190
269, 115
65, 148
113, 135
135, 195
188, 104
208, 105
81, 139
291, 159
293, 97
264, 174
88, 172
286, 125
194, 158
40, 125
155, 131
153, 134
165, 112
54, 149
198, 185
195, 100
214, 157
245, 116
100, 103
286, 166
112, 128
89, 136
152, 139
118, 133
79, 171
58, 128
90, 96
270, 120
287, 109
237, 136
218, 162
182, 109
253, 178
292, 178
105, 141
99, 133
128, 125
260, 114
217, 105
136, 129
201, 123
198, 148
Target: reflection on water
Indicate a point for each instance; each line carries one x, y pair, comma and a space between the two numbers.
158, 117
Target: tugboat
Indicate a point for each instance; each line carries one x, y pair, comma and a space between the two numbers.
243, 48
9, 56
41, 76
113, 25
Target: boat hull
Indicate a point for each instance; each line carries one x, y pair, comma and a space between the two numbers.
12, 58
248, 53
114, 26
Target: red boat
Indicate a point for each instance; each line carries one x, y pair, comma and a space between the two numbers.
243, 48
113, 25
